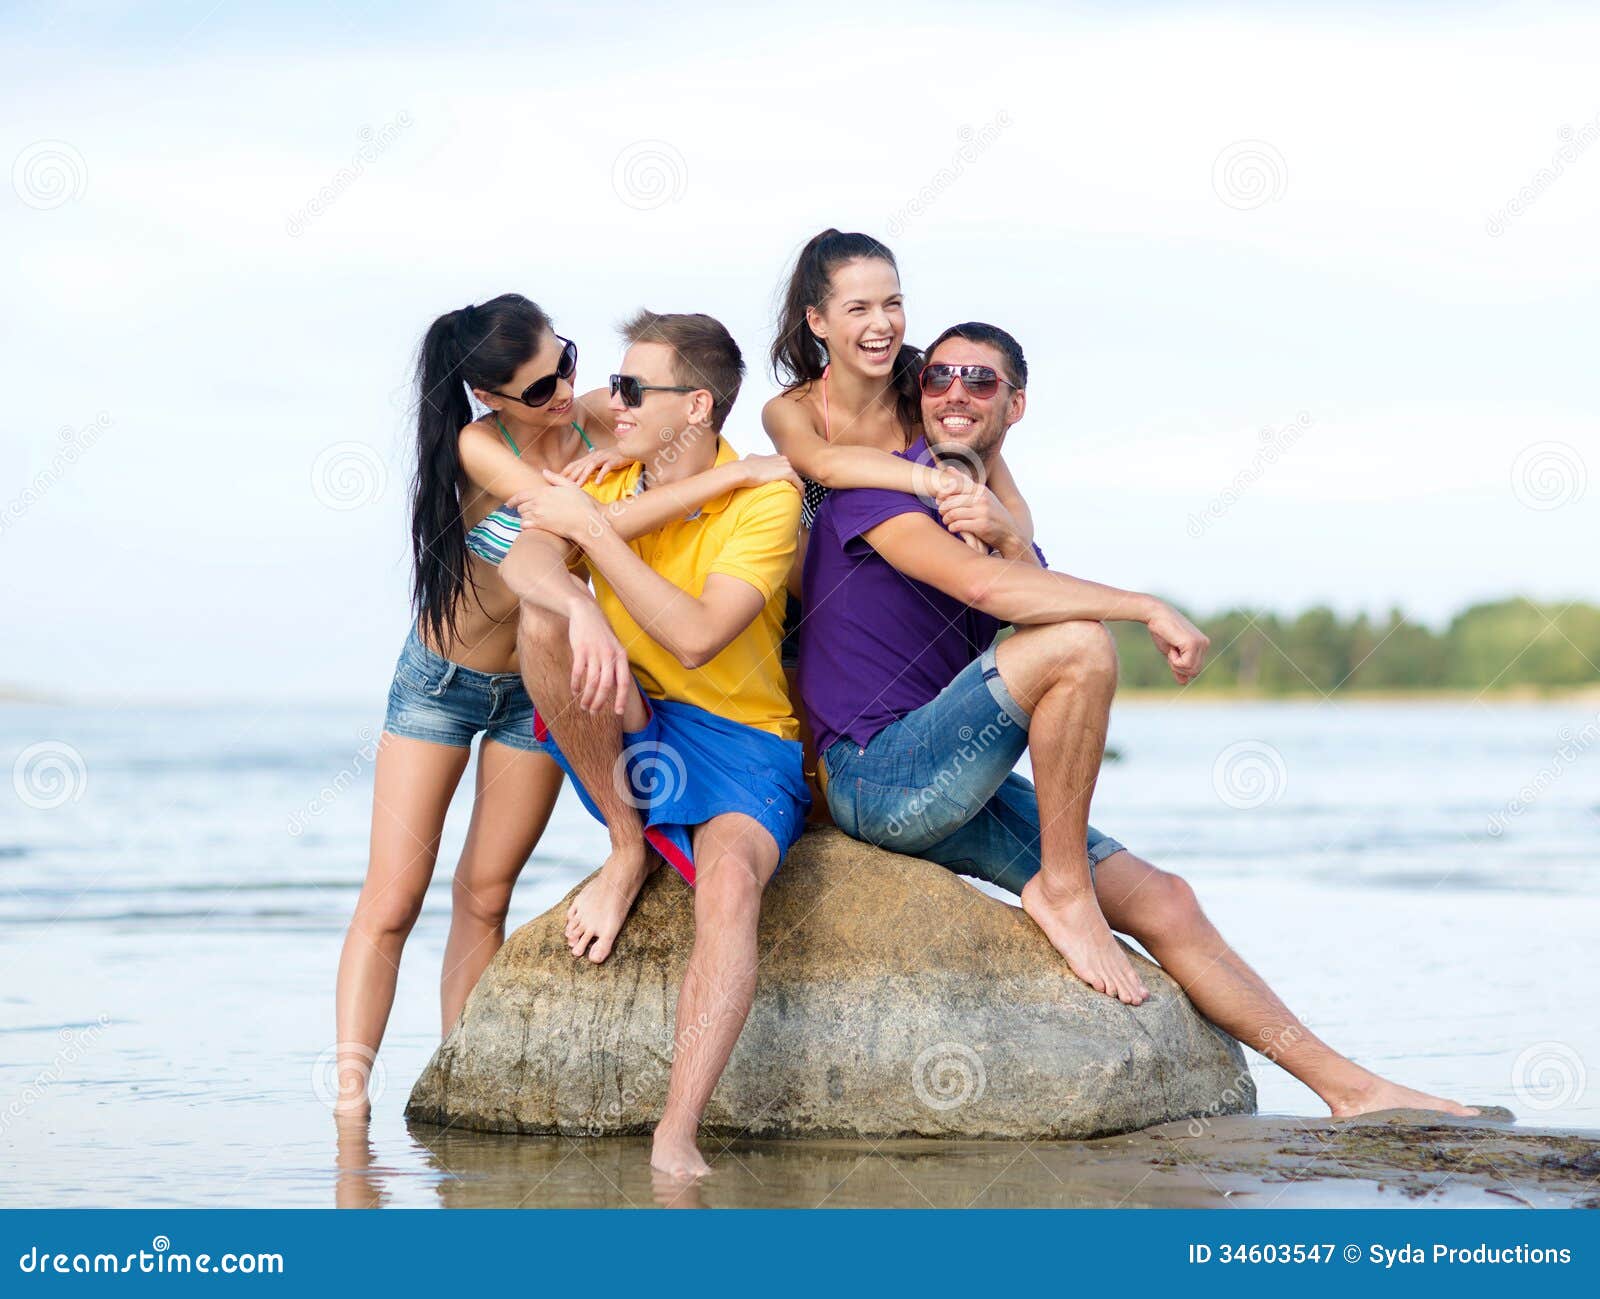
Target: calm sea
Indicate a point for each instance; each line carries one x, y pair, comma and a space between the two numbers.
1419, 881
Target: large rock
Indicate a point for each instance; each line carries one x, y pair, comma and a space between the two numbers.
893, 998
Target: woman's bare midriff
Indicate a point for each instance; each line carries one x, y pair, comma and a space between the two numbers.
486, 624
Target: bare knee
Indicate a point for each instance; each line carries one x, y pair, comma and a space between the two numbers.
1168, 912
727, 895
1080, 652
482, 905
389, 918
1084, 649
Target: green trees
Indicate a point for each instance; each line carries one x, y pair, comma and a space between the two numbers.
1495, 646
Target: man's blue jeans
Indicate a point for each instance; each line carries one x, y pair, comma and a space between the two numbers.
939, 784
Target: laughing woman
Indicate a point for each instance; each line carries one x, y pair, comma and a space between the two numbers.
457, 677
851, 398
850, 382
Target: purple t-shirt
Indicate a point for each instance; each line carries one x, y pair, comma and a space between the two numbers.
875, 644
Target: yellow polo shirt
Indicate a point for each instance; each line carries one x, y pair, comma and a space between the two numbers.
751, 534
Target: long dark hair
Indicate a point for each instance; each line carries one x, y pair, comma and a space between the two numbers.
476, 347
799, 356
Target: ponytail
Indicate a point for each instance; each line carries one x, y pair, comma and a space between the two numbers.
476, 347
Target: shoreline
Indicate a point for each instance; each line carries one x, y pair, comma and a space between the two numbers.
1442, 695
15, 696
1401, 1158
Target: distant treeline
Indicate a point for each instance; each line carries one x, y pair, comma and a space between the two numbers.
1511, 643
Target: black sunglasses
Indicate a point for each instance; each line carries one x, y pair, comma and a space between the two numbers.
633, 391
541, 390
980, 381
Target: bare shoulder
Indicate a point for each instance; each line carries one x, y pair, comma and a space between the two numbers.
791, 405
478, 430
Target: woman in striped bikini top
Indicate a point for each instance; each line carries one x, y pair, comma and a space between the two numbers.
456, 684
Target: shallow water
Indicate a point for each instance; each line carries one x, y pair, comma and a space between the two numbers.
1417, 879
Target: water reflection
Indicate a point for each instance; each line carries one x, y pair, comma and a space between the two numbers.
360, 1180
480, 1170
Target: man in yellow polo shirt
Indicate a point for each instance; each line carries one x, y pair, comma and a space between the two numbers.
663, 690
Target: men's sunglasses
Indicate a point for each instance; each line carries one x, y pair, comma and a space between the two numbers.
542, 389
980, 381
633, 391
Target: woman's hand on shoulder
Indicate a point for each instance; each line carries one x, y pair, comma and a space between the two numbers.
596, 465
761, 469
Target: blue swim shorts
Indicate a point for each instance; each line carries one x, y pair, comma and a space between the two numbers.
687, 766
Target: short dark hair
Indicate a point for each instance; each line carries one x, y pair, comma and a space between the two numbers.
977, 332
704, 354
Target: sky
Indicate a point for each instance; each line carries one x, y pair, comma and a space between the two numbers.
1309, 294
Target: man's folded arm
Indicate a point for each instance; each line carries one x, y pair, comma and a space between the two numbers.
538, 570
693, 630
1013, 591
754, 562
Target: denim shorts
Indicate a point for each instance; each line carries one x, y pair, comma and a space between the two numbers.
442, 702
939, 784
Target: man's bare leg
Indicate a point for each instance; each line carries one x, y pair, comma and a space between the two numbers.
734, 858
592, 743
1064, 675
1162, 912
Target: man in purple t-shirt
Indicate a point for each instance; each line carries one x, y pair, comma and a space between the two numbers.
920, 716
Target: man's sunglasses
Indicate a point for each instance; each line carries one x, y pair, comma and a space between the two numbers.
633, 390
980, 381
541, 390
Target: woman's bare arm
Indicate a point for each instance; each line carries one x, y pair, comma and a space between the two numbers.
635, 516
638, 515
831, 464
1003, 485
493, 467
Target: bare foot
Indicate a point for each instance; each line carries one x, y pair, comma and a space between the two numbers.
1381, 1094
1077, 929
677, 1155
671, 1192
596, 915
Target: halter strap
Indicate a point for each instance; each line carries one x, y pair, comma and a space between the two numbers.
827, 422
